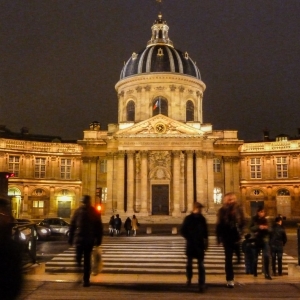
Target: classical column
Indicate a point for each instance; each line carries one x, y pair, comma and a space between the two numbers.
137, 204
93, 178
176, 185
231, 174
130, 181
110, 172
183, 204
120, 182
210, 183
52, 206
199, 177
189, 181
144, 182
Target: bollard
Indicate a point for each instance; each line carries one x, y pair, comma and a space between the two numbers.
174, 230
149, 230
298, 236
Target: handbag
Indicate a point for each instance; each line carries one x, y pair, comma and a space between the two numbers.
97, 263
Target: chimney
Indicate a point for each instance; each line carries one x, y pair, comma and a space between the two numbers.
266, 135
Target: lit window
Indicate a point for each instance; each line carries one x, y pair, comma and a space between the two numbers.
160, 106
103, 166
281, 167
283, 192
256, 192
255, 168
104, 195
38, 204
189, 111
14, 165
217, 165
130, 111
217, 195
65, 168
40, 167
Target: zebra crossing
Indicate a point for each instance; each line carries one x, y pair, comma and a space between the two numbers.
150, 255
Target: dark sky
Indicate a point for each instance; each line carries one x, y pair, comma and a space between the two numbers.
60, 61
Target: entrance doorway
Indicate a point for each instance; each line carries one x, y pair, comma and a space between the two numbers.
64, 209
160, 199
254, 205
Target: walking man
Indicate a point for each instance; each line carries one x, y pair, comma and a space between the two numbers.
230, 225
277, 241
86, 231
194, 230
260, 229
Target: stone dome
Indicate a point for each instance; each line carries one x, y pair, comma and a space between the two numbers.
160, 56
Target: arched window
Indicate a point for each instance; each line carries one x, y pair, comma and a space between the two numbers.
218, 195
189, 111
130, 110
160, 106
217, 165
283, 192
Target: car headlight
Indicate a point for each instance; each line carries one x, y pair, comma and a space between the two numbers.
44, 231
22, 236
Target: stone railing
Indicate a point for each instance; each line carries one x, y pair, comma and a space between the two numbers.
39, 146
270, 146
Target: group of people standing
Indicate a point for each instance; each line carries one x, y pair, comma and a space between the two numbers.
231, 224
115, 224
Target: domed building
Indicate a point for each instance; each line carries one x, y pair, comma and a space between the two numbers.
160, 157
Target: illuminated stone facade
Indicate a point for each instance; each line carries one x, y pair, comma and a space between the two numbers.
47, 179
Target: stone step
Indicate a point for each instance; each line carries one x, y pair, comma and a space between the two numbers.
153, 255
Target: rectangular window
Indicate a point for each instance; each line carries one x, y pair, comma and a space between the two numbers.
281, 167
65, 168
40, 167
103, 166
14, 165
104, 195
217, 165
255, 168
38, 204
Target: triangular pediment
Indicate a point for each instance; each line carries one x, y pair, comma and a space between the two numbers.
159, 125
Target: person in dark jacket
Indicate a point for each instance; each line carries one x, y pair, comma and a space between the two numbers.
11, 273
127, 226
111, 225
117, 224
194, 230
230, 225
277, 241
259, 227
86, 230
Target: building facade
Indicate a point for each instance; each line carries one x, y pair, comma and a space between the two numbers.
158, 159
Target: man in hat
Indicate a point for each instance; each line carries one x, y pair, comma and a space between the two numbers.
86, 231
194, 230
230, 225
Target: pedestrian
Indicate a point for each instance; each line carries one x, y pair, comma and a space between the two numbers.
111, 226
230, 225
134, 224
247, 249
86, 231
11, 278
117, 224
194, 230
261, 232
127, 226
278, 239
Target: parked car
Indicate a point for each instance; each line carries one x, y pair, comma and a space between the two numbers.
56, 225
42, 232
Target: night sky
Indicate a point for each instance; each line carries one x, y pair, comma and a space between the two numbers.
60, 61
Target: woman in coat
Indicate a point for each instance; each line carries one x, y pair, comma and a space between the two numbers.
134, 224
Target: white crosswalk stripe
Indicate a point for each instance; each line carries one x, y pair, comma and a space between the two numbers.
150, 255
